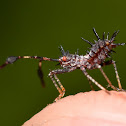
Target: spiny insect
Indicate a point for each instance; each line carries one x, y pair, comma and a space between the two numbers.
95, 58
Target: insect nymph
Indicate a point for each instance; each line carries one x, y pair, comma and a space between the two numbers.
95, 58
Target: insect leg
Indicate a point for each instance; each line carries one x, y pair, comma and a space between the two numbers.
60, 88
116, 72
62, 93
57, 87
117, 75
94, 81
107, 79
40, 73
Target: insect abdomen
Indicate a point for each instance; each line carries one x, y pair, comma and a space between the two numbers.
99, 52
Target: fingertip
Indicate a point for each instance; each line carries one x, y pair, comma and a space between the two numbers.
90, 108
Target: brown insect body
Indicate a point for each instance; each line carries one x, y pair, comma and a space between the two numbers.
95, 58
100, 50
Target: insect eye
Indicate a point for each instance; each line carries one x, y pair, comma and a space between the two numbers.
64, 58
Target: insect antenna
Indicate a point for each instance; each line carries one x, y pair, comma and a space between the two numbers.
12, 59
96, 34
87, 41
9, 60
3, 65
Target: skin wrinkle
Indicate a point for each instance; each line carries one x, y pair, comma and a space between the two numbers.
90, 108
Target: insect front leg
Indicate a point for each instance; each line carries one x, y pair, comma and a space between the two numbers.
93, 80
40, 73
53, 77
60, 88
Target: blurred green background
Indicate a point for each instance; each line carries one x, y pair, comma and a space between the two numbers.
38, 28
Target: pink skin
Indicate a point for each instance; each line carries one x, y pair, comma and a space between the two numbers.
94, 108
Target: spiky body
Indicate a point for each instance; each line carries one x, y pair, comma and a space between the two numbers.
95, 58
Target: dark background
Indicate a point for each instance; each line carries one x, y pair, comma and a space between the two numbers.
38, 28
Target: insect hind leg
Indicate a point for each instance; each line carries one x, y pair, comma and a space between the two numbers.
93, 80
116, 72
117, 75
107, 79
